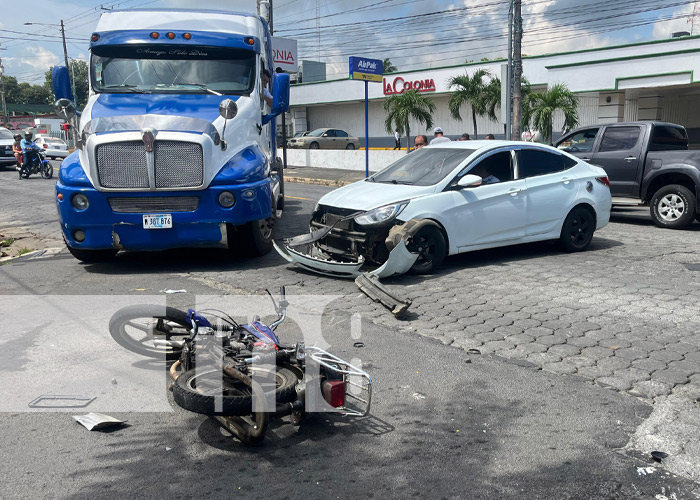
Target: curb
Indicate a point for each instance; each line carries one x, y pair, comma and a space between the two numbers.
319, 182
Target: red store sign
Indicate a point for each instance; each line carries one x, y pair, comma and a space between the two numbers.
399, 85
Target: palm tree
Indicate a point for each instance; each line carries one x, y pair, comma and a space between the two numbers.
483, 96
539, 109
388, 67
402, 107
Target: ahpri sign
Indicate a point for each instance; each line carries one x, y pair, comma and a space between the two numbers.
399, 85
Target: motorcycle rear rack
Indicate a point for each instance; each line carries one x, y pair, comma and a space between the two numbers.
354, 378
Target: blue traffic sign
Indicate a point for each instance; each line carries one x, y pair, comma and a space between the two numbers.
362, 68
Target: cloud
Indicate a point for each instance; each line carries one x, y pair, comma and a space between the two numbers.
664, 29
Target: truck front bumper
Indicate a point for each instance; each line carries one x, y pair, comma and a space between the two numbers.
115, 219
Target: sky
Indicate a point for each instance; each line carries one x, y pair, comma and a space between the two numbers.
413, 34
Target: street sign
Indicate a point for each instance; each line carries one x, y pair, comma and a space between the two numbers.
369, 70
284, 54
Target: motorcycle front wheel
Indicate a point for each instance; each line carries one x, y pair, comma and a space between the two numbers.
137, 328
210, 391
47, 170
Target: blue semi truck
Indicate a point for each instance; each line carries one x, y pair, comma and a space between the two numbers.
176, 145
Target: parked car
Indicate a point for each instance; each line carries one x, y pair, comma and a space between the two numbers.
7, 157
325, 138
53, 146
648, 163
451, 198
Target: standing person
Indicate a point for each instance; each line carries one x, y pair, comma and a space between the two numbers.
437, 132
420, 141
465, 137
397, 140
17, 150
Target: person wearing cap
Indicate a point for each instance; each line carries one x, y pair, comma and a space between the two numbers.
437, 132
266, 81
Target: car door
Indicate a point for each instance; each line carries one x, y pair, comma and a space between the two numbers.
620, 154
489, 214
329, 140
342, 139
550, 188
580, 143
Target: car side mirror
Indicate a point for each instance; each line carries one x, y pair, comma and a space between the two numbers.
324, 135
470, 180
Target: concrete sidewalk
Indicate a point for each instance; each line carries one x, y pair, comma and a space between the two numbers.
335, 177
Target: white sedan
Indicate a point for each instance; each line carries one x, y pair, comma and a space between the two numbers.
451, 198
53, 146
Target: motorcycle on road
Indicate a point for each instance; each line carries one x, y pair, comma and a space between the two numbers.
241, 374
35, 162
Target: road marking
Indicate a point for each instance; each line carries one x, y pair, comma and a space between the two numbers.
297, 198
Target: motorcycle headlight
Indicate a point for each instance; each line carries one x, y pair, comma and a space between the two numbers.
381, 214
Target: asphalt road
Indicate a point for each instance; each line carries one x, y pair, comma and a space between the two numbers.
444, 424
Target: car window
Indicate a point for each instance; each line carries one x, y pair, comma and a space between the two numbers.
494, 168
619, 138
423, 167
667, 138
317, 133
579, 142
341, 133
330, 133
533, 162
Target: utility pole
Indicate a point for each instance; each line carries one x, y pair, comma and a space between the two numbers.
509, 92
517, 69
65, 51
2, 92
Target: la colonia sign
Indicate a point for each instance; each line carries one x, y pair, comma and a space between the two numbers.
399, 85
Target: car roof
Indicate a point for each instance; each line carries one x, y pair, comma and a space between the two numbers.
485, 145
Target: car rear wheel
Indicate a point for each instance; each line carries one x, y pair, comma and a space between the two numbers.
577, 231
350, 146
673, 207
429, 244
314, 145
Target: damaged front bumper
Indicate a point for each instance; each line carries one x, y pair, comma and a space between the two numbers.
307, 252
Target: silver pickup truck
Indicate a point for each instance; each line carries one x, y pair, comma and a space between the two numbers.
647, 163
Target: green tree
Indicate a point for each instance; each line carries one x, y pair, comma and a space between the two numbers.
388, 67
81, 81
402, 107
539, 109
483, 96
33, 94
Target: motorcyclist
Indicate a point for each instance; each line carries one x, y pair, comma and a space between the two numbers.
28, 147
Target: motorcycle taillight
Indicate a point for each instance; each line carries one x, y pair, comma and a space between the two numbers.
334, 392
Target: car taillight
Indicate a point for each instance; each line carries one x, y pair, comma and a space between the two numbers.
46, 146
603, 180
334, 392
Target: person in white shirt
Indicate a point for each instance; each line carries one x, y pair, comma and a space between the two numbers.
437, 132
397, 140
266, 93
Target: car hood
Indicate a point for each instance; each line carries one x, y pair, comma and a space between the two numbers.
364, 195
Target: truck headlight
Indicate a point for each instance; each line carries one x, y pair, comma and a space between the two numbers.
80, 201
381, 214
226, 199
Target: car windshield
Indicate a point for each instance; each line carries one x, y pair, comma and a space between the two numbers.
317, 133
424, 167
5, 134
176, 69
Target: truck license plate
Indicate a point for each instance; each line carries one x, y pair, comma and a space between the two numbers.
157, 221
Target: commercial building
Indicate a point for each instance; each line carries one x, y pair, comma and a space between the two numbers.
641, 81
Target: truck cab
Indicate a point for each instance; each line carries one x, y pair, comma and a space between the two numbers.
176, 145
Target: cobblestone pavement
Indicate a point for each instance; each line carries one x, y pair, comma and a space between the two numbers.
624, 315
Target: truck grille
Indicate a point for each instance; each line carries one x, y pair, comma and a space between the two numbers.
155, 204
122, 165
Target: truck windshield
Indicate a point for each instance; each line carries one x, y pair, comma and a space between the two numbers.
172, 69
423, 167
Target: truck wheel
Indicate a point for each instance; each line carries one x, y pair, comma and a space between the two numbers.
252, 239
673, 207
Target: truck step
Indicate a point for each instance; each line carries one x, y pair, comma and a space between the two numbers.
626, 202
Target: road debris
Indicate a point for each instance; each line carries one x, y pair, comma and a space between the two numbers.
97, 421
57, 401
658, 456
173, 291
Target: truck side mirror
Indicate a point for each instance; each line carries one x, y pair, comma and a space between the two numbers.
60, 81
65, 109
228, 109
280, 96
